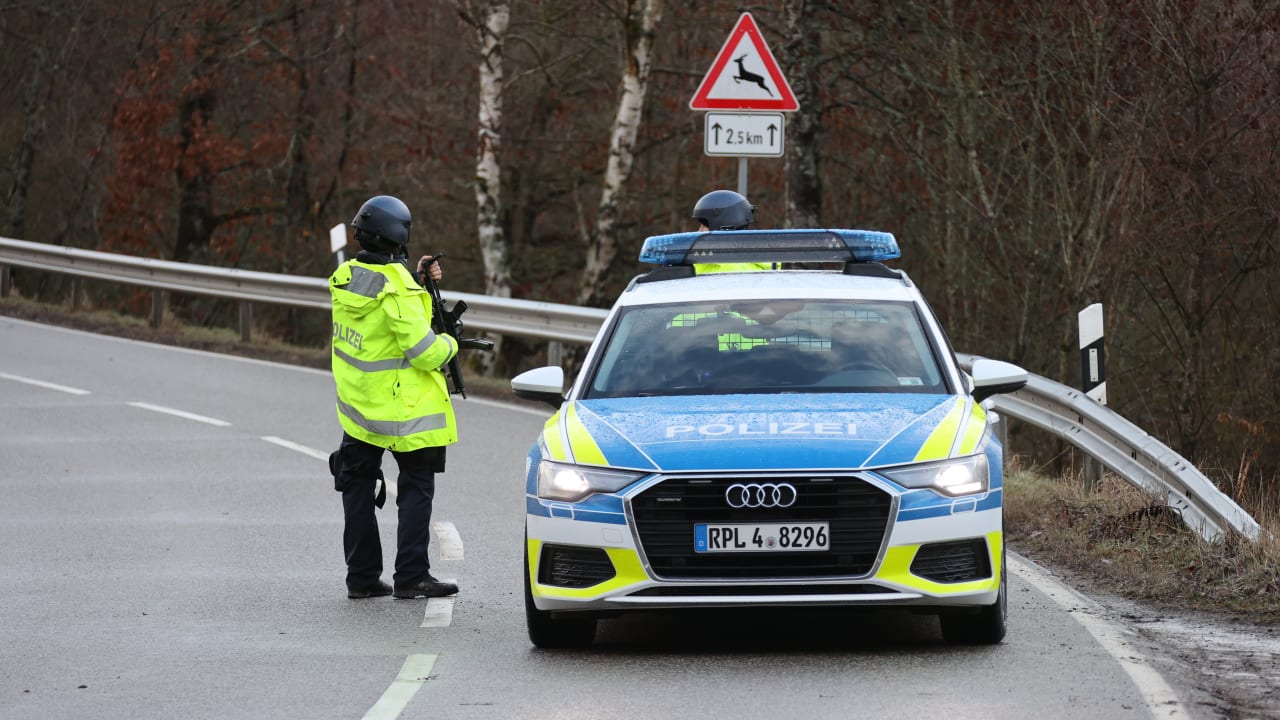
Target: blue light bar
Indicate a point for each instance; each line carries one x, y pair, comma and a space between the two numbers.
738, 246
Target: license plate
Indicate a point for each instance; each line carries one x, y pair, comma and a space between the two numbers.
761, 537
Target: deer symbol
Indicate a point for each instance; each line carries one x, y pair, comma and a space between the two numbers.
747, 75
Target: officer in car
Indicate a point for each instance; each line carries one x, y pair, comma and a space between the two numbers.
391, 396
725, 210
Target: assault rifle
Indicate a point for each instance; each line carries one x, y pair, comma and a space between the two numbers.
449, 321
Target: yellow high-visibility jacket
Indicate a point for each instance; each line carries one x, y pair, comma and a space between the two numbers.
386, 359
708, 268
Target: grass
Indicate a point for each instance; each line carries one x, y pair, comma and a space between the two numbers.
1113, 540
1118, 540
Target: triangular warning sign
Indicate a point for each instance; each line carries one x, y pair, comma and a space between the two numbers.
744, 76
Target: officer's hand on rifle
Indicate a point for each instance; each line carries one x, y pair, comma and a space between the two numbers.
448, 321
430, 265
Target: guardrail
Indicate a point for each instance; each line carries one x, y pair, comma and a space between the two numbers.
1127, 450
1063, 411
526, 318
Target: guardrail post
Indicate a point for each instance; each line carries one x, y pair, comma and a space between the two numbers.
5, 281
77, 291
157, 308
555, 353
246, 321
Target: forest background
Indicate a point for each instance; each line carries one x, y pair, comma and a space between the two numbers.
1031, 158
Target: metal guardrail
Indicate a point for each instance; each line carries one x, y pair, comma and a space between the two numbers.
1127, 450
506, 316
1063, 411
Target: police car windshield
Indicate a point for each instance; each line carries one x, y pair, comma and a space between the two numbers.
767, 346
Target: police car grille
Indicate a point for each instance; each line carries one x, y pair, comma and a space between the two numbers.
665, 515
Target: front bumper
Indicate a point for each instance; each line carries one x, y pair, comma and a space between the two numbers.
930, 551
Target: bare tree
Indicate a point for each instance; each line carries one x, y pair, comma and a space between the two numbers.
490, 23
639, 21
49, 38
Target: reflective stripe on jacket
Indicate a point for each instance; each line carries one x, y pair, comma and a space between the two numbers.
386, 359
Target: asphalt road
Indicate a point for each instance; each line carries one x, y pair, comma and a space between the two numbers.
170, 546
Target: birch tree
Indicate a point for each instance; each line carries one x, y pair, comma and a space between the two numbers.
491, 30
639, 22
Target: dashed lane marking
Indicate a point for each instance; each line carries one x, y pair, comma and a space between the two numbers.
180, 413
311, 452
439, 611
415, 671
449, 540
45, 385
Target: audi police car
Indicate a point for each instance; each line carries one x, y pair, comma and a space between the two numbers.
792, 437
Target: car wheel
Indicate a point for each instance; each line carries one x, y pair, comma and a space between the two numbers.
988, 625
548, 631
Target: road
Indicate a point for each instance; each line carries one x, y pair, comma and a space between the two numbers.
172, 548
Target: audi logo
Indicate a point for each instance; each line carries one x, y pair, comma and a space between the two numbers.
760, 495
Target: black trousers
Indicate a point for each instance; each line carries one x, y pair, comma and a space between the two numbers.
357, 469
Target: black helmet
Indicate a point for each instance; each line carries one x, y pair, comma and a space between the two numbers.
724, 210
382, 224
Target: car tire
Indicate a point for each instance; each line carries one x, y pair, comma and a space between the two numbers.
548, 631
988, 625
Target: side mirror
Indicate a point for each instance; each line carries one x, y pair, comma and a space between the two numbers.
544, 384
993, 377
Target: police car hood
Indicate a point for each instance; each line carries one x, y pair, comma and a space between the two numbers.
759, 432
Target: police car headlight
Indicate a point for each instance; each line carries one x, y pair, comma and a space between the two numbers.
571, 483
962, 476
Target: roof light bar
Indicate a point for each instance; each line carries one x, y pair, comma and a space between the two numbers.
736, 246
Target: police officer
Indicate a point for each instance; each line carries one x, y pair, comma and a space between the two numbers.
391, 396
725, 210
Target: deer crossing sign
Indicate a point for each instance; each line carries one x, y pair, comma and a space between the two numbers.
744, 76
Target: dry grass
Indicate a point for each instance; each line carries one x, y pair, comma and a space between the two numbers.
1117, 539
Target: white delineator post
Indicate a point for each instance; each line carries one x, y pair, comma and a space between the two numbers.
338, 242
1093, 374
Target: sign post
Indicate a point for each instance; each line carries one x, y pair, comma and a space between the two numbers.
744, 80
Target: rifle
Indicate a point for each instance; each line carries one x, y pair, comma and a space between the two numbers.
449, 321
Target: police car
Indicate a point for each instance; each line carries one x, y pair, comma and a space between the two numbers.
793, 437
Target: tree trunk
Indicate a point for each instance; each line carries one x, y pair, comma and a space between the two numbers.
494, 247
196, 220
804, 189
641, 19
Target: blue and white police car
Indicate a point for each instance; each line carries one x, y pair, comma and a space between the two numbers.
799, 436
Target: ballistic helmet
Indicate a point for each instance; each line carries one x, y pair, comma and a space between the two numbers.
382, 224
724, 210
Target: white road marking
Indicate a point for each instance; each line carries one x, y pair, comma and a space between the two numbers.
1161, 700
415, 671
43, 384
439, 612
312, 452
180, 413
449, 540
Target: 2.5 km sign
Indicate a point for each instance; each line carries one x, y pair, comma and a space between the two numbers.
741, 134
